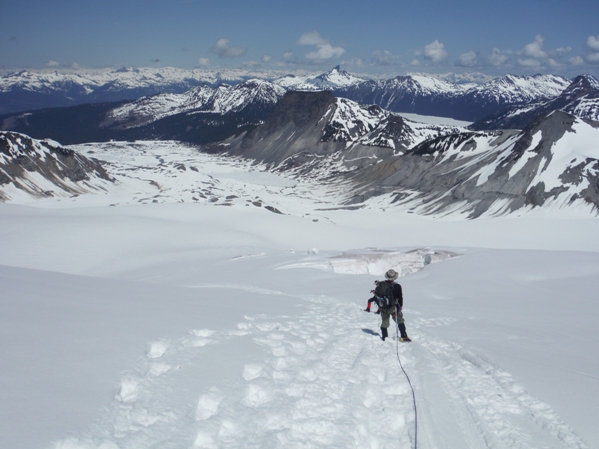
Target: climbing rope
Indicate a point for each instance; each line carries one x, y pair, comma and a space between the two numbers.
410, 383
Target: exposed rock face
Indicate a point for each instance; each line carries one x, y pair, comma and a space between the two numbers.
44, 168
299, 109
292, 133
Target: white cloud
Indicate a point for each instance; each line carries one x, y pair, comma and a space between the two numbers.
204, 62
553, 63
415, 63
593, 58
529, 62
287, 55
435, 52
222, 49
593, 43
497, 58
533, 55
561, 51
323, 52
577, 60
384, 58
467, 59
534, 50
311, 38
266, 58
54, 64
353, 61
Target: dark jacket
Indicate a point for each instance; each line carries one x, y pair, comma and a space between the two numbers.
397, 293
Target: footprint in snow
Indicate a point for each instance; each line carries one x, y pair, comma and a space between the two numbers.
158, 369
129, 391
257, 395
197, 342
157, 349
252, 371
202, 332
208, 405
204, 441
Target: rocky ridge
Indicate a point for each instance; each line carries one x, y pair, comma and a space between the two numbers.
44, 168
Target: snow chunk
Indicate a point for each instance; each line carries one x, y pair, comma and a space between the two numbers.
208, 405
157, 350
129, 390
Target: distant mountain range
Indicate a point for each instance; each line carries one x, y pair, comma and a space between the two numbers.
30, 90
206, 113
160, 93
553, 162
202, 114
580, 98
425, 95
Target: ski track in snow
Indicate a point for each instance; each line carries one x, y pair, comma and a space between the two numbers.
326, 380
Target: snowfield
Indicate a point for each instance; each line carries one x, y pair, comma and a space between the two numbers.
203, 303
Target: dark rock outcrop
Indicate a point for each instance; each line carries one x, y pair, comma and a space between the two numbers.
32, 166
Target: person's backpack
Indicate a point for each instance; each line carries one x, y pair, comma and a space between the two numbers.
384, 295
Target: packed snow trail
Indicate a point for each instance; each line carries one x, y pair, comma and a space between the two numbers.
323, 379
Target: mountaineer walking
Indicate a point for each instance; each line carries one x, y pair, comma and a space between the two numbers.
390, 299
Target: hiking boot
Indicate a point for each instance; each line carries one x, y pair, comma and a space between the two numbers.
384, 333
406, 338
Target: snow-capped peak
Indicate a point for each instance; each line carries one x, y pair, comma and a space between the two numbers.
521, 89
331, 80
584, 81
351, 120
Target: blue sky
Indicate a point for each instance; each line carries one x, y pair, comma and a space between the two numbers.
377, 36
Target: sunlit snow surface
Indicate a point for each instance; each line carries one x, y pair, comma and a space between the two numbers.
176, 310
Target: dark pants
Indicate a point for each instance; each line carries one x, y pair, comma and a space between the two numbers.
387, 313
391, 312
